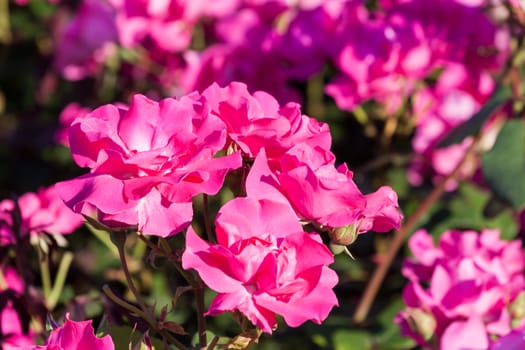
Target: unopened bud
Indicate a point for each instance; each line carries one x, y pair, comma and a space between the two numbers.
345, 235
421, 322
336, 248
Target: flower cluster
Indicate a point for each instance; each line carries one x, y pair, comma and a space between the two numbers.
148, 161
212, 168
475, 289
213, 125
387, 53
43, 211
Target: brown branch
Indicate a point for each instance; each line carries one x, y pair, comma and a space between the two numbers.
399, 237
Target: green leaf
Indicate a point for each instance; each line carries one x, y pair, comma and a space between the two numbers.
468, 211
504, 166
474, 124
351, 340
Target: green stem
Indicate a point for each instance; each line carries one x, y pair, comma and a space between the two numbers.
124, 304
104, 238
43, 260
120, 240
399, 237
60, 280
139, 249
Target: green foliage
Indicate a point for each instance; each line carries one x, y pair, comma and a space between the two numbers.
351, 339
470, 210
504, 166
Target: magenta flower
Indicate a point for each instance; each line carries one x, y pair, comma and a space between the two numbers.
86, 41
147, 162
167, 24
264, 264
249, 43
306, 179
382, 54
456, 96
473, 280
42, 211
73, 335
256, 121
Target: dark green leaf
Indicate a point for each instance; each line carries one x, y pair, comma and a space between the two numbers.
504, 165
468, 211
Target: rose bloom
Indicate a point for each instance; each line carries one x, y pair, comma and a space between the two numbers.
264, 264
73, 335
42, 211
256, 121
475, 284
146, 163
306, 179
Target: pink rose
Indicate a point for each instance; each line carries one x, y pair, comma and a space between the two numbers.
256, 121
307, 179
147, 162
264, 264
42, 211
73, 335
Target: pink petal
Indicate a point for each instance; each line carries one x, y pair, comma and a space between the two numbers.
213, 265
465, 335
